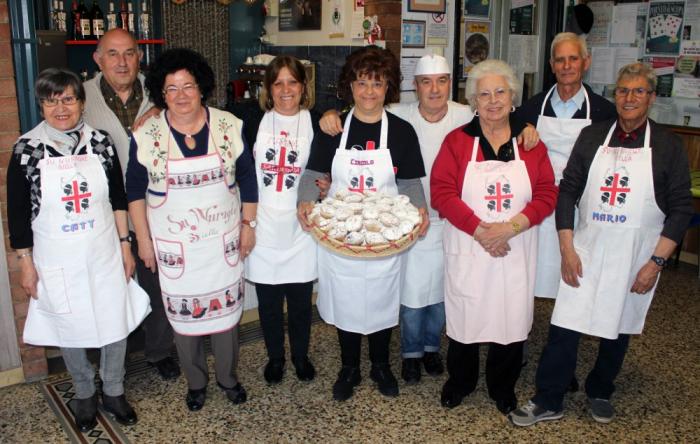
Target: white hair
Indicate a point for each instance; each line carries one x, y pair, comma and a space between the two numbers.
569, 37
491, 67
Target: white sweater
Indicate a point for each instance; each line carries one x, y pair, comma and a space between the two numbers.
99, 115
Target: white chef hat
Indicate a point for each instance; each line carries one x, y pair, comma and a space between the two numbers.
432, 64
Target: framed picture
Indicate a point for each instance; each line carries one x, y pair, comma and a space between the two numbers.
427, 6
413, 34
299, 15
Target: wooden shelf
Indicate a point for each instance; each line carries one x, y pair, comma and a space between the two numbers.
94, 42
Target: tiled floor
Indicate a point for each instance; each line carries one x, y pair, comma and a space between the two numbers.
657, 400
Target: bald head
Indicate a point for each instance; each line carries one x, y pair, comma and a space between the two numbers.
118, 56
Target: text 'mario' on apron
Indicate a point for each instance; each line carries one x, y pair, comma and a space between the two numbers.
619, 227
83, 300
195, 229
357, 294
559, 135
491, 299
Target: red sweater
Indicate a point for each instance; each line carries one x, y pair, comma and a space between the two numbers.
447, 178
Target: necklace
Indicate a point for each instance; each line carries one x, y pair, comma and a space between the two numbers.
440, 115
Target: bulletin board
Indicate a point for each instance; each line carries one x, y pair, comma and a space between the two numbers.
663, 33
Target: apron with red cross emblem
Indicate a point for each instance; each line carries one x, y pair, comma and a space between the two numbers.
490, 299
619, 227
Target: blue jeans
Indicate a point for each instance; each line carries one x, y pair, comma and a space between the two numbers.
111, 369
421, 329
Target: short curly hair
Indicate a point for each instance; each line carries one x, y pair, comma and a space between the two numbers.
295, 68
172, 61
373, 62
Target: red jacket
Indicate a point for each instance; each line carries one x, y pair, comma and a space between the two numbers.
447, 178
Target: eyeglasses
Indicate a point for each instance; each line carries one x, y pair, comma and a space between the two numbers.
53, 101
498, 94
622, 91
187, 88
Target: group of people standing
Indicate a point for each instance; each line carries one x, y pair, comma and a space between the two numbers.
486, 179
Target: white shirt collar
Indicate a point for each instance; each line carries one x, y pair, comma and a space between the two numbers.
578, 98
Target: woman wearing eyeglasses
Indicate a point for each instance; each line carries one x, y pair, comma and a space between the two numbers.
492, 193
629, 179
67, 215
192, 194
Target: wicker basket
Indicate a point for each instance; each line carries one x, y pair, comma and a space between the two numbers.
368, 251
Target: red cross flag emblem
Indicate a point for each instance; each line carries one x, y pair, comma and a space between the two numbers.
76, 196
281, 169
498, 197
615, 189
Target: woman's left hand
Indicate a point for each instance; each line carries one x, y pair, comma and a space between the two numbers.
646, 278
247, 240
128, 260
424, 223
495, 236
529, 137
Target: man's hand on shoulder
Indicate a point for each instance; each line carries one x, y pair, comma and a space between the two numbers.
138, 123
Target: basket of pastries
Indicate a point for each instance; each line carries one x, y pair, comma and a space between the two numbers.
368, 224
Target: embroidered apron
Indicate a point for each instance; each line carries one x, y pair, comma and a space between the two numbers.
195, 229
83, 299
618, 230
283, 251
356, 294
559, 135
491, 299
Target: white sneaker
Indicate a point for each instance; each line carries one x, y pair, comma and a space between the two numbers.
531, 413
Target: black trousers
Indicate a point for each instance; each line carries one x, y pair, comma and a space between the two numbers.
558, 365
271, 310
350, 344
503, 364
158, 333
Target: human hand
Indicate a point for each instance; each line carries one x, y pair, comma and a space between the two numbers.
330, 123
529, 138
571, 267
646, 278
324, 184
303, 211
128, 260
424, 223
247, 241
147, 254
495, 235
152, 111
29, 278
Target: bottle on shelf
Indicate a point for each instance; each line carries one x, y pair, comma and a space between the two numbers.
62, 25
98, 21
111, 17
54, 20
85, 28
84, 74
124, 16
132, 21
145, 22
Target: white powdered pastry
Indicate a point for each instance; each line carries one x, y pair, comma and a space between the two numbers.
405, 227
341, 194
373, 238
391, 233
370, 212
388, 219
328, 201
355, 207
401, 199
354, 223
386, 201
400, 212
384, 208
354, 238
414, 218
373, 225
338, 232
328, 211
342, 213
323, 223
353, 198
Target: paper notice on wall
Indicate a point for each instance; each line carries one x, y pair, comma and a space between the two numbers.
437, 32
624, 19
408, 68
523, 52
356, 29
690, 48
686, 82
599, 35
624, 56
602, 65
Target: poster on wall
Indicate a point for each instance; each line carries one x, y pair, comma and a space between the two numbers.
664, 27
664, 68
438, 32
299, 15
477, 8
413, 34
476, 43
521, 20
686, 82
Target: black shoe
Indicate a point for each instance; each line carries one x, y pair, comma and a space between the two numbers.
236, 395
348, 378
85, 412
410, 370
167, 368
386, 382
506, 406
451, 395
433, 363
274, 371
120, 408
195, 399
304, 367
573, 385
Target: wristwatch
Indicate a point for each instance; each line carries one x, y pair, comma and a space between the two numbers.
660, 261
251, 223
126, 238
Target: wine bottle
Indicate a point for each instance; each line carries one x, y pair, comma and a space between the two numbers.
84, 21
124, 16
145, 22
111, 17
53, 21
62, 25
132, 23
98, 21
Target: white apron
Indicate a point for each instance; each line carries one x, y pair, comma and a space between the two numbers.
195, 230
618, 230
283, 251
491, 299
83, 299
354, 294
559, 135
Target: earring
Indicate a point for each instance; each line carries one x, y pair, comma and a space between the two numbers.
476, 113
512, 108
